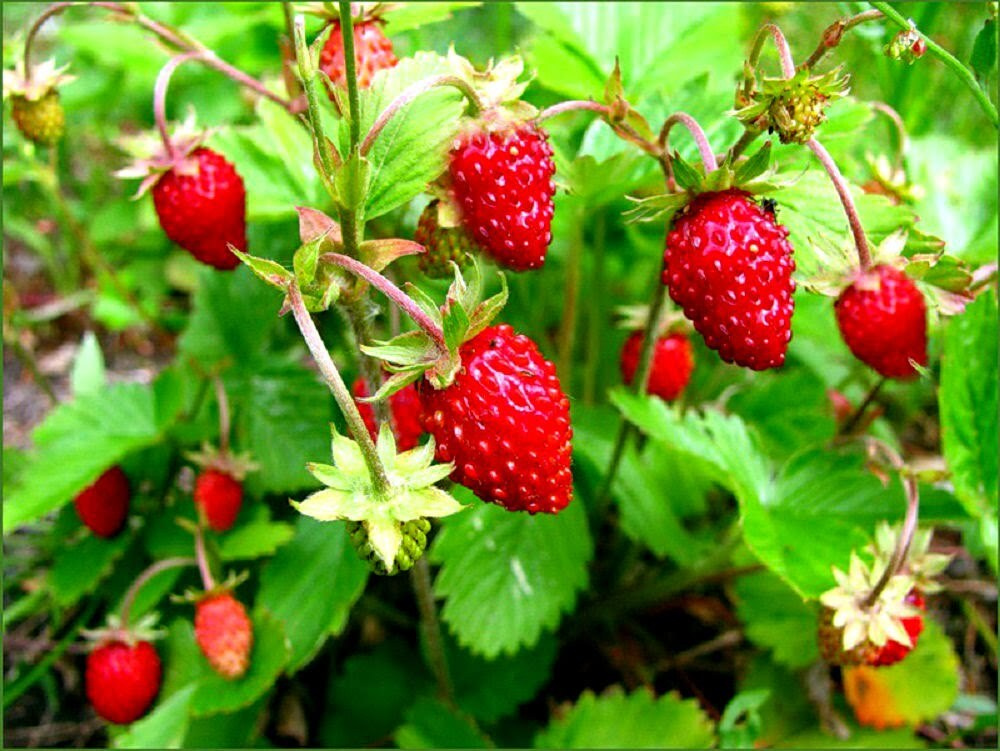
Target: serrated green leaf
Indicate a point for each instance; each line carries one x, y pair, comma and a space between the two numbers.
967, 400
267, 270
776, 618
164, 726
431, 724
506, 576
310, 586
254, 539
636, 720
87, 376
78, 568
185, 666
77, 442
417, 15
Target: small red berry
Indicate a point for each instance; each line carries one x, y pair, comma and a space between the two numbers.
883, 319
673, 362
122, 680
220, 496
729, 265
502, 181
405, 408
103, 506
372, 53
201, 204
224, 634
504, 422
893, 651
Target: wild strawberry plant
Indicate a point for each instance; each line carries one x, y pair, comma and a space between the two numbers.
570, 398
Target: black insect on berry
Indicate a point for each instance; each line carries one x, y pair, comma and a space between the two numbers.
770, 206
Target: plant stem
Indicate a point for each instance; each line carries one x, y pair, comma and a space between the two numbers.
900, 126
834, 33
350, 66
851, 422
784, 52
421, 578
595, 309
145, 576
961, 71
844, 192
11, 339
224, 418
160, 98
307, 72
391, 291
748, 136
201, 556
340, 391
571, 292
412, 92
704, 147
573, 105
986, 632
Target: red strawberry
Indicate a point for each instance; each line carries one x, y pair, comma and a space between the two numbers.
502, 182
883, 320
405, 408
673, 362
504, 421
220, 496
103, 506
224, 634
729, 265
201, 204
893, 651
372, 53
122, 680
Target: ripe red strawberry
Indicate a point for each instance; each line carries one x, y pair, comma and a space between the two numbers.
201, 204
405, 408
220, 496
504, 421
442, 245
103, 506
673, 362
883, 319
502, 181
224, 634
729, 265
893, 651
830, 640
122, 680
372, 53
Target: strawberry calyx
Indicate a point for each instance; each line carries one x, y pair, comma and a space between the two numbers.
145, 629
152, 159
919, 564
45, 77
793, 107
237, 466
379, 520
636, 317
194, 595
499, 92
360, 12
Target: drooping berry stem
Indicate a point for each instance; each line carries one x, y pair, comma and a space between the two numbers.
844, 192
52, 10
964, 74
160, 97
897, 121
350, 69
573, 105
834, 33
224, 416
412, 92
391, 291
851, 422
704, 147
145, 576
341, 393
200, 554
784, 51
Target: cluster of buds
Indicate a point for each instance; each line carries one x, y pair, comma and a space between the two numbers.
908, 45
793, 107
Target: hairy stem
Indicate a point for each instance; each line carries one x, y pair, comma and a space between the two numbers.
310, 82
145, 576
412, 92
224, 416
851, 422
421, 578
784, 52
359, 316
574, 105
390, 290
963, 73
834, 33
350, 65
160, 97
844, 192
696, 131
201, 555
339, 389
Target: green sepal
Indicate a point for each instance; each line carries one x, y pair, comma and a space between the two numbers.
304, 262
378, 254
352, 181
622, 113
394, 383
686, 175
755, 166
269, 271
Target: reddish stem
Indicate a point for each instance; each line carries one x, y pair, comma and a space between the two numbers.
571, 106
391, 291
160, 97
835, 32
843, 191
202, 557
145, 576
704, 147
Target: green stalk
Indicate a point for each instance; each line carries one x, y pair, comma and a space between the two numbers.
595, 310
421, 577
965, 75
571, 293
354, 102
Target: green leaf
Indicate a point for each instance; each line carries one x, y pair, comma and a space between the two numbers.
637, 720
410, 152
267, 270
859, 738
967, 400
164, 727
311, 584
79, 567
255, 537
756, 165
508, 576
740, 723
491, 689
370, 694
238, 729
77, 442
984, 49
87, 376
776, 618
415, 15
186, 666
430, 724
